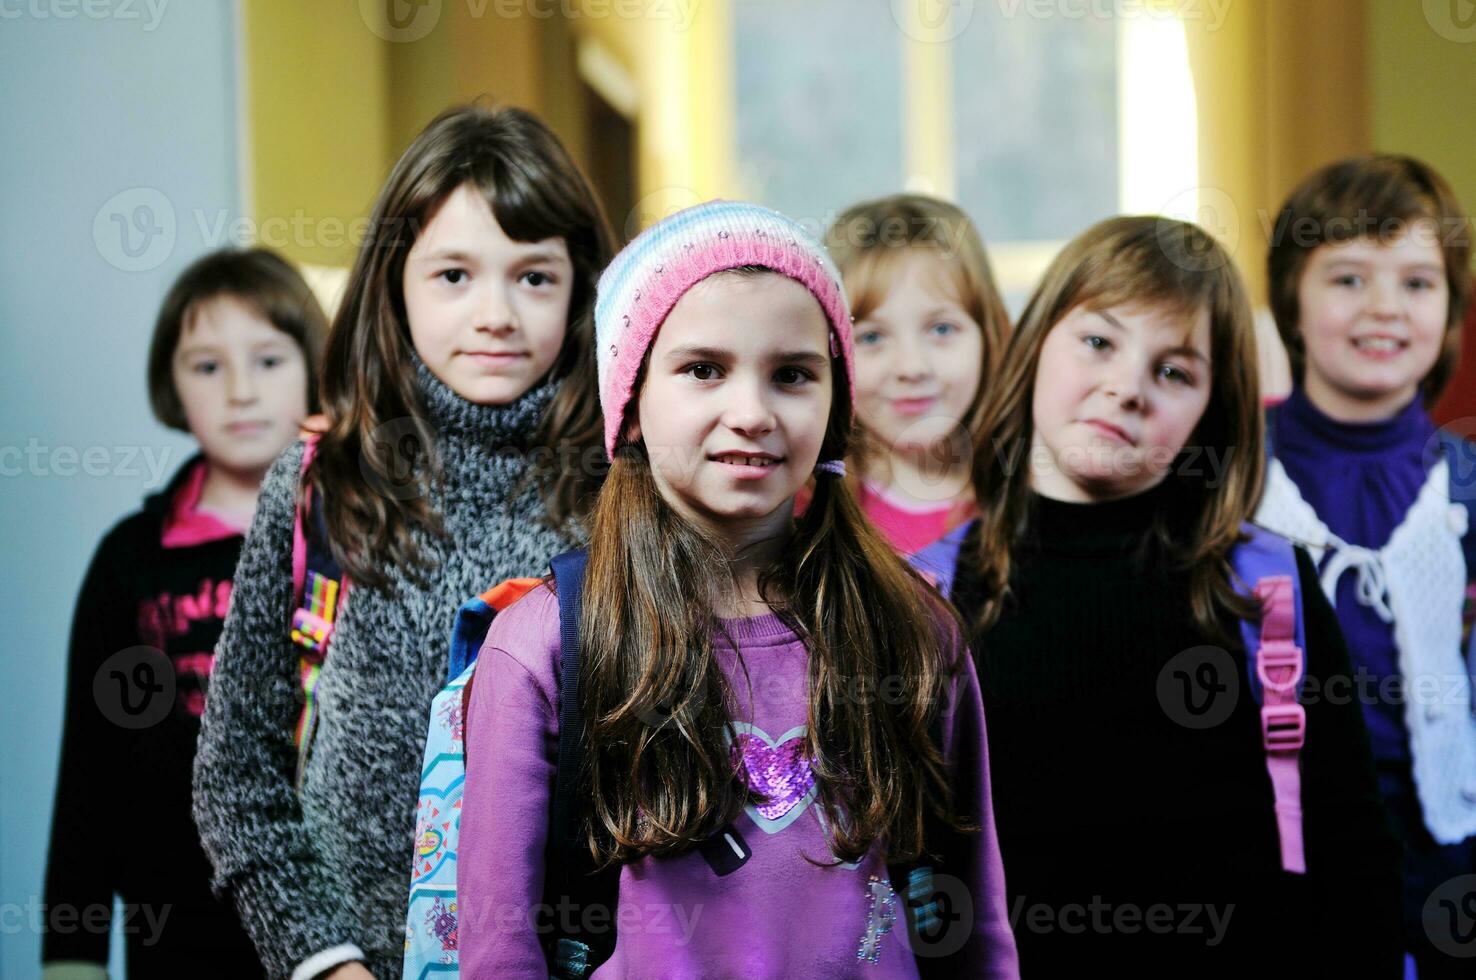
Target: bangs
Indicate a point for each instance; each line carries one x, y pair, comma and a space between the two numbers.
1142, 276
875, 271
530, 206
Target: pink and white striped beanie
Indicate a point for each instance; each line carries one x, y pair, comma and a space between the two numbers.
644, 282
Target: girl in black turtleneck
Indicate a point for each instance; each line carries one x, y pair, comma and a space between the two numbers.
1134, 807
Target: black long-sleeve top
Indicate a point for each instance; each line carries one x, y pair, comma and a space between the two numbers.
122, 822
1132, 841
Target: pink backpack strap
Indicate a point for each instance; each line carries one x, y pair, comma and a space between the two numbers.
1280, 665
299, 538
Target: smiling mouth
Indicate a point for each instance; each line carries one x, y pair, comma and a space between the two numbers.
1380, 345
745, 459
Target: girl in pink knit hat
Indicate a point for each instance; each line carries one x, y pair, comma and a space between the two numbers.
784, 757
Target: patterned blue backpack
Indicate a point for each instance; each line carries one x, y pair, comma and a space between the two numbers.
431, 944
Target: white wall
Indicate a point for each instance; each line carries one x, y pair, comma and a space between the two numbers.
101, 97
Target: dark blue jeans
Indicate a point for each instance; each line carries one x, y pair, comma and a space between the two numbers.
1427, 866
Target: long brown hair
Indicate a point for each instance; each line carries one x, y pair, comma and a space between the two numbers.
535, 192
867, 243
658, 706
1153, 262
1378, 197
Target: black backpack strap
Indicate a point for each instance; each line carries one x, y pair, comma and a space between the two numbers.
1460, 456
579, 899
932, 928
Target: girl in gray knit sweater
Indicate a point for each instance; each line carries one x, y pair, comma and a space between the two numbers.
460, 400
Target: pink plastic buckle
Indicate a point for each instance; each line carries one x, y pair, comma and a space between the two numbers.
1279, 655
310, 630
1283, 727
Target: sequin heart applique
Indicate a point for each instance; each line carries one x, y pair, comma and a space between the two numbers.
778, 769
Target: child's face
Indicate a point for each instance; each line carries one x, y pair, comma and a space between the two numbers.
243, 384
918, 358
1373, 322
739, 375
487, 313
1117, 394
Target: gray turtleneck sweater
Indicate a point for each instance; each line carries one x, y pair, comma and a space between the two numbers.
329, 870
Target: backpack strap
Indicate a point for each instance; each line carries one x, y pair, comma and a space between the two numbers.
915, 884
570, 875
1460, 457
1269, 413
938, 562
1266, 565
475, 617
318, 589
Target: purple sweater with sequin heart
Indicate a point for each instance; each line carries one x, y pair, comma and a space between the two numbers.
777, 916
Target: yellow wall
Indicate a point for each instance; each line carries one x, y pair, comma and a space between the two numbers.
333, 100
1280, 89
318, 112
1423, 82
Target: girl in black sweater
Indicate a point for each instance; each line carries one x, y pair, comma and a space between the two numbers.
232, 363
1134, 805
